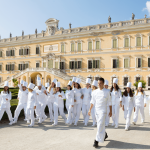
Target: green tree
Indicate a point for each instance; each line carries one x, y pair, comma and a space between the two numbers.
143, 84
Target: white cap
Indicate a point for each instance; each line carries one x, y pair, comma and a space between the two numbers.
6, 84
95, 83
21, 82
88, 81
25, 84
115, 80
106, 82
78, 80
47, 84
55, 80
129, 84
31, 86
70, 83
74, 79
140, 84
39, 83
38, 78
57, 84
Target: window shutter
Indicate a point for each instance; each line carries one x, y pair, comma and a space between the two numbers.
114, 43
148, 62
6, 53
141, 62
25, 51
81, 64
63, 65
62, 48
18, 66
0, 53
117, 63
88, 64
75, 64
138, 41
72, 47
37, 50
27, 65
0, 67
97, 44
93, 63
98, 65
6, 67
90, 46
10, 67
70, 65
21, 51
79, 46
60, 65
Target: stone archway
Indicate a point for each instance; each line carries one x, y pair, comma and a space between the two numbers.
33, 77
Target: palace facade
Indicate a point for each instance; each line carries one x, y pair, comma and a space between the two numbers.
119, 49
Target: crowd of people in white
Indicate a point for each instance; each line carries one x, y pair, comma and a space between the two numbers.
94, 100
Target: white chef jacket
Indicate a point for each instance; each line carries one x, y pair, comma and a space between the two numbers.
101, 98
77, 95
59, 101
5, 103
128, 102
32, 99
23, 96
86, 95
116, 97
51, 96
140, 99
20, 89
41, 98
69, 97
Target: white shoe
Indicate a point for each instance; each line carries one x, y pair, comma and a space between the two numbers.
126, 129
113, 124
14, 122
54, 124
116, 127
28, 121
75, 124
133, 123
40, 122
30, 125
10, 123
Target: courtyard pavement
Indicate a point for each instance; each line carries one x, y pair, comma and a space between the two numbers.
63, 137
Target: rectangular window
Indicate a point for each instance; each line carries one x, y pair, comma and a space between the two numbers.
79, 46
26, 65
125, 81
97, 44
62, 48
126, 63
79, 64
89, 45
138, 41
72, 47
26, 51
72, 65
148, 81
115, 63
20, 51
56, 65
139, 62
37, 50
126, 44
62, 65
137, 79
148, 62
44, 64
114, 43
50, 64
90, 64
37, 65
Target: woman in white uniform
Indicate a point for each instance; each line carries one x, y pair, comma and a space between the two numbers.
31, 104
86, 92
23, 97
106, 83
77, 100
140, 103
5, 102
128, 104
51, 98
73, 87
116, 98
94, 87
69, 102
59, 104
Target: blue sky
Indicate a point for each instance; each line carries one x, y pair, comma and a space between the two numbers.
27, 15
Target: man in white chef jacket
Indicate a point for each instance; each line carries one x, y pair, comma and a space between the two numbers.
100, 98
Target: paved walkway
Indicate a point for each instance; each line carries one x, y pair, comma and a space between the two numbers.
62, 137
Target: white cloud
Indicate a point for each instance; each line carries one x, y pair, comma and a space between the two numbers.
147, 7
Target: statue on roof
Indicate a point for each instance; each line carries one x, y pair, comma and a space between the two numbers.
145, 15
10, 35
109, 19
22, 33
133, 15
70, 25
35, 31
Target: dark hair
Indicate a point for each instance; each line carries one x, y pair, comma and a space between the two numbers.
60, 89
101, 79
70, 87
79, 87
125, 93
7, 90
117, 87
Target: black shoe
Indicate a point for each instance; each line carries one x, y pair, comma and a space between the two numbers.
95, 144
106, 136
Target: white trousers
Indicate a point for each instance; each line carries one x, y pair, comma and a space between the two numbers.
40, 111
100, 116
107, 116
70, 112
93, 114
61, 111
51, 110
137, 108
77, 111
2, 110
18, 110
127, 116
30, 115
115, 114
85, 109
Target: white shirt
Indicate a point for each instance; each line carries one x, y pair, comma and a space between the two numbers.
140, 99
110, 101
51, 96
23, 96
5, 103
59, 101
32, 99
69, 97
77, 95
101, 98
128, 102
87, 95
116, 97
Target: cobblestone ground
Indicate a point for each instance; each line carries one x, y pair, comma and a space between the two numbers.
63, 137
